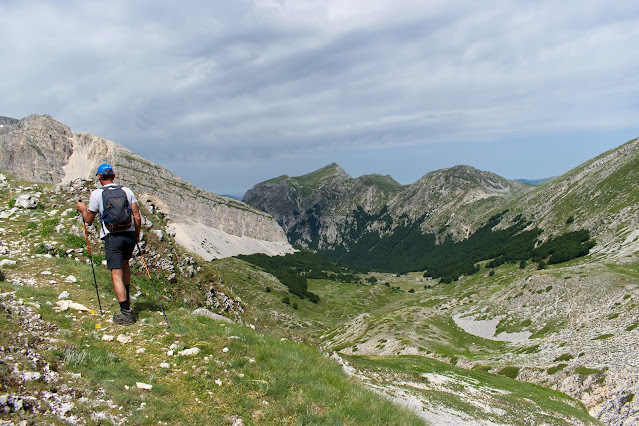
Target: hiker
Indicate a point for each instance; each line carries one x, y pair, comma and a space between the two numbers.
120, 223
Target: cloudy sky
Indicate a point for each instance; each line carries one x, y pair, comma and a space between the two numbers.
230, 93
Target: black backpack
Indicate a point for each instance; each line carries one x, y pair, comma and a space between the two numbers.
116, 214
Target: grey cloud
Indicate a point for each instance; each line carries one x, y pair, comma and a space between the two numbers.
265, 82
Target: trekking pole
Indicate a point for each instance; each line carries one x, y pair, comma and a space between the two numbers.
153, 285
95, 282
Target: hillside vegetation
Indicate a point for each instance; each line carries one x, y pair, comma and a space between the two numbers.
65, 362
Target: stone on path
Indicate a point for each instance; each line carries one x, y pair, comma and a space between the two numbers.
63, 305
189, 352
124, 339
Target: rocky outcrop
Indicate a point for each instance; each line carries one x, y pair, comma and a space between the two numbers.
39, 148
8, 121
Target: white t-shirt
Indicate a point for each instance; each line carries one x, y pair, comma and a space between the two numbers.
95, 205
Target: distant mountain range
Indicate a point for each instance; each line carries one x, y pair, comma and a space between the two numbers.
328, 209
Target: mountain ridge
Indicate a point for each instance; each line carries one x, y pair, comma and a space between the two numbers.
41, 149
316, 208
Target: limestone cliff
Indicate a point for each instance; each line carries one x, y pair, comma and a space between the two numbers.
39, 148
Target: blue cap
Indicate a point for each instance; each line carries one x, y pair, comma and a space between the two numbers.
104, 168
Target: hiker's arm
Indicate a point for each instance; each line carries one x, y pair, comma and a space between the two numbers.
137, 219
87, 214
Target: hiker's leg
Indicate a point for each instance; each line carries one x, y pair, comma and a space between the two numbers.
117, 275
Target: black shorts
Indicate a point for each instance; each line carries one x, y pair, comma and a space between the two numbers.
119, 247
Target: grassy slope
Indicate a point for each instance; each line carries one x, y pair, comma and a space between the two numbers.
278, 388
397, 319
259, 378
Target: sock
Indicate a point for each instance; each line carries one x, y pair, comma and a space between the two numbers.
125, 307
127, 287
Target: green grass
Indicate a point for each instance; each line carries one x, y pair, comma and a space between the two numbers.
515, 398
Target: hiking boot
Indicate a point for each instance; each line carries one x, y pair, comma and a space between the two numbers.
123, 318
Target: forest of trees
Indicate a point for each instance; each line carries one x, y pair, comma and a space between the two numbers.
294, 269
407, 249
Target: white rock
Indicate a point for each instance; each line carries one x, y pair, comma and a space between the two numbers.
225, 350
170, 353
218, 382
27, 201
5, 262
123, 338
27, 376
141, 385
107, 338
64, 295
45, 273
206, 313
140, 351
165, 365
63, 305
70, 279
189, 352
173, 346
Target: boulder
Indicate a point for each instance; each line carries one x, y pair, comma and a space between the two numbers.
26, 201
206, 313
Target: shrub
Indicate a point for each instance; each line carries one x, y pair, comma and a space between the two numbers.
286, 300
564, 357
412, 290
47, 226
491, 273
11, 203
510, 371
294, 305
570, 220
603, 337
585, 371
74, 241
523, 264
553, 370
481, 367
268, 289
